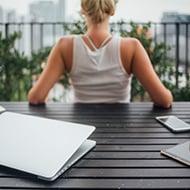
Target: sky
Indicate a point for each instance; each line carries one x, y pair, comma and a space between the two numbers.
136, 10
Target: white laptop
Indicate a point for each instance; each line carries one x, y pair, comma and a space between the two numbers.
39, 146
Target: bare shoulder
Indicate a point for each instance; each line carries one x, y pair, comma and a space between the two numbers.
65, 41
130, 46
128, 49
129, 39
130, 42
65, 49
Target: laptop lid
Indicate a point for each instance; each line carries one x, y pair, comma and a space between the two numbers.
86, 146
40, 146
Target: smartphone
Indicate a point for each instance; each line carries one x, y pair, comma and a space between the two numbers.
174, 123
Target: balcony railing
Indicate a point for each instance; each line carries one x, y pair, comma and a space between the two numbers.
38, 35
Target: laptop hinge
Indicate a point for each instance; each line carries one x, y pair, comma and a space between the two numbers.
2, 109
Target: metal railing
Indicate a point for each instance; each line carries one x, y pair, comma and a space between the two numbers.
38, 35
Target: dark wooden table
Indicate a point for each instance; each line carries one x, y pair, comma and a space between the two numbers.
127, 155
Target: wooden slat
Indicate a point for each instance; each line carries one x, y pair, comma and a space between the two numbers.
97, 183
135, 141
141, 135
128, 163
124, 148
125, 155
129, 173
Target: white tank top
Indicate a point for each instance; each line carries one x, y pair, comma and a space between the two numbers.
99, 76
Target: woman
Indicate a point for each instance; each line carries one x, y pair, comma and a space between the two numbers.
100, 65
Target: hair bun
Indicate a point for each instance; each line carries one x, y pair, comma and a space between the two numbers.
98, 10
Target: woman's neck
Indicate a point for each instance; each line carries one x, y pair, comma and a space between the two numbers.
99, 30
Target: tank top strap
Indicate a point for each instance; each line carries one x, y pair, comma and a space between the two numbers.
101, 45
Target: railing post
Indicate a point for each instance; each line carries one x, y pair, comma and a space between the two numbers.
155, 32
6, 29
186, 54
165, 37
41, 35
31, 37
177, 54
54, 32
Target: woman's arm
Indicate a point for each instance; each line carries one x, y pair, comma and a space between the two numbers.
50, 75
143, 70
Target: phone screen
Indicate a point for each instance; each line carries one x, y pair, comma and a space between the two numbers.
174, 123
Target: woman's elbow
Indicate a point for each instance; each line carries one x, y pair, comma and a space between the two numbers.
167, 104
34, 98
165, 101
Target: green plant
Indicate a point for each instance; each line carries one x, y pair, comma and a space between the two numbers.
16, 69
161, 63
13, 69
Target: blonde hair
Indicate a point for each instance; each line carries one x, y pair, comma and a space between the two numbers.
99, 10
